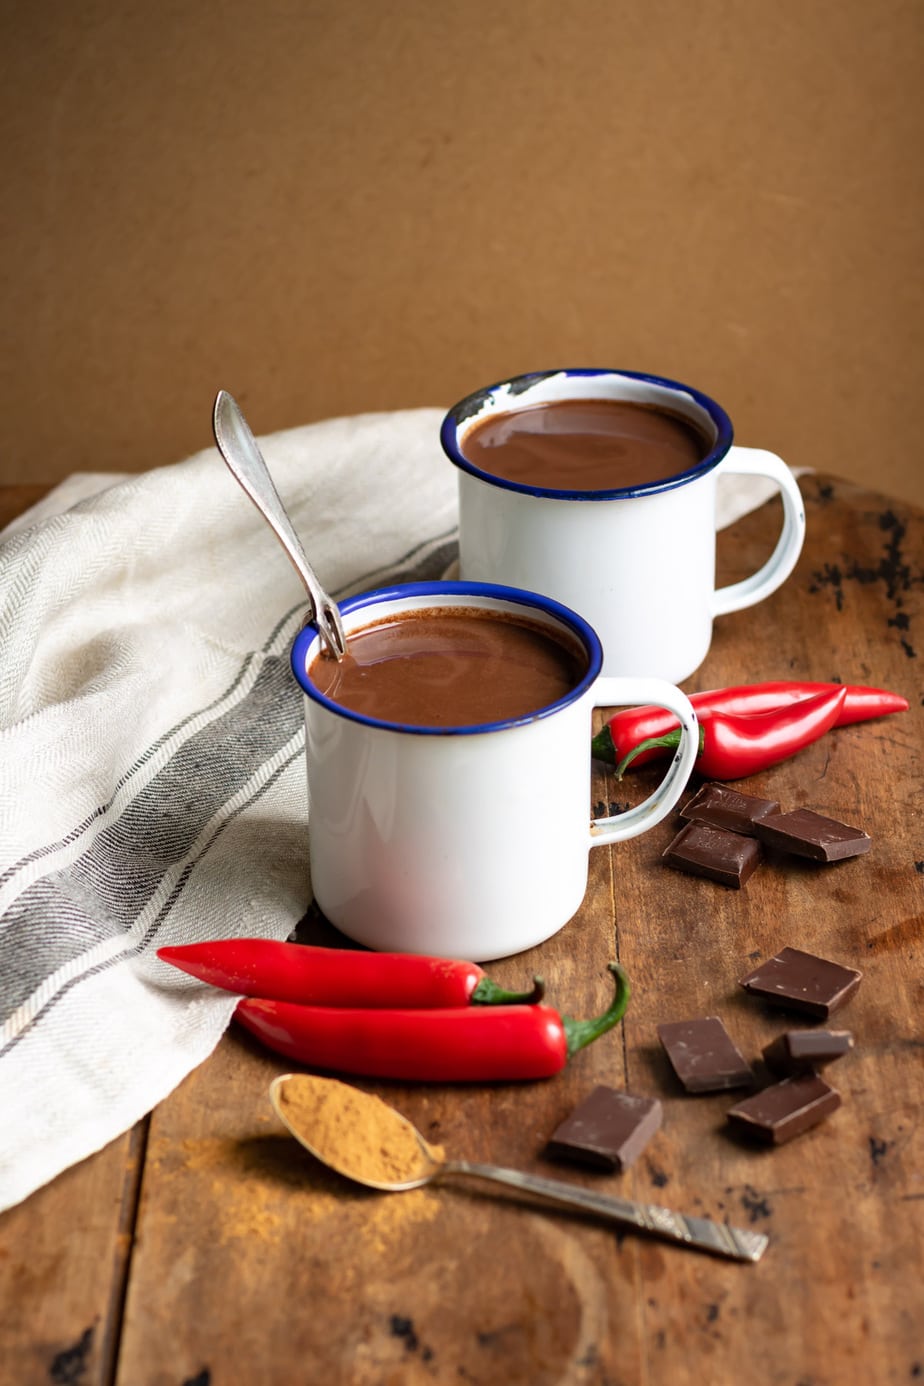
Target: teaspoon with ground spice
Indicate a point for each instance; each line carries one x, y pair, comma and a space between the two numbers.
359, 1136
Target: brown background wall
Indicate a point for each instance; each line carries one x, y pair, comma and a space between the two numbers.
331, 206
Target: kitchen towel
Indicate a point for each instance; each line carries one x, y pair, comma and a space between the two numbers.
152, 779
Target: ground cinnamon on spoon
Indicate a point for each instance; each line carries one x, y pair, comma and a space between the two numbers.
353, 1131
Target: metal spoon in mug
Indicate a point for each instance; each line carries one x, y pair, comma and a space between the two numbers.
238, 447
317, 1112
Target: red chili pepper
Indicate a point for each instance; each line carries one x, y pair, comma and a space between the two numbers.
460, 1045
631, 726
315, 976
732, 746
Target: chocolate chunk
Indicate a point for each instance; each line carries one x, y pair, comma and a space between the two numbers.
803, 1051
608, 1130
786, 1109
808, 834
728, 808
715, 853
704, 1055
803, 982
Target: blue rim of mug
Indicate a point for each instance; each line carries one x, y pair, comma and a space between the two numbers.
521, 384
576, 624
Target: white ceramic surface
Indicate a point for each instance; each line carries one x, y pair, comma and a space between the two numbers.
465, 842
637, 563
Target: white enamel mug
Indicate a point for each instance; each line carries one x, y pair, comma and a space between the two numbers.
639, 562
466, 841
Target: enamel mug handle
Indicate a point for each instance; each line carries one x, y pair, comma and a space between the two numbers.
616, 692
754, 462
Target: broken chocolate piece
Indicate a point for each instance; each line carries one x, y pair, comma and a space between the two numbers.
786, 1109
728, 808
808, 834
804, 1051
704, 1056
608, 1130
716, 853
803, 982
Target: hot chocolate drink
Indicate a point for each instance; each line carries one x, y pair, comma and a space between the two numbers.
585, 445
450, 667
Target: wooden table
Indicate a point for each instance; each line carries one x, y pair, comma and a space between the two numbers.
205, 1247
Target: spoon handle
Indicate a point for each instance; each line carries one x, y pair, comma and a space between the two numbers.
246, 463
700, 1233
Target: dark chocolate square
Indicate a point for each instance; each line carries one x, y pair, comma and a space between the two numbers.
728, 808
804, 1051
716, 853
704, 1056
785, 1110
805, 833
608, 1130
803, 982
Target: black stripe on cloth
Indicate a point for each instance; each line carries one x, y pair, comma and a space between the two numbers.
146, 755
135, 948
100, 894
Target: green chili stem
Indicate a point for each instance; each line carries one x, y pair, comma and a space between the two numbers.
602, 747
488, 993
579, 1033
669, 741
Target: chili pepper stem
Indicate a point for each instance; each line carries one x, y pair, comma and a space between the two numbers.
488, 993
670, 741
602, 748
580, 1033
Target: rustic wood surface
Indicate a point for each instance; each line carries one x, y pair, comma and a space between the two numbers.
206, 1248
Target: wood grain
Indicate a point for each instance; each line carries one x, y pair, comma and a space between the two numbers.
64, 1259
250, 1262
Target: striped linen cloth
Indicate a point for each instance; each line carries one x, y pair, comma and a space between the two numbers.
152, 778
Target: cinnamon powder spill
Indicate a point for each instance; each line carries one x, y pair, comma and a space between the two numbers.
260, 1209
